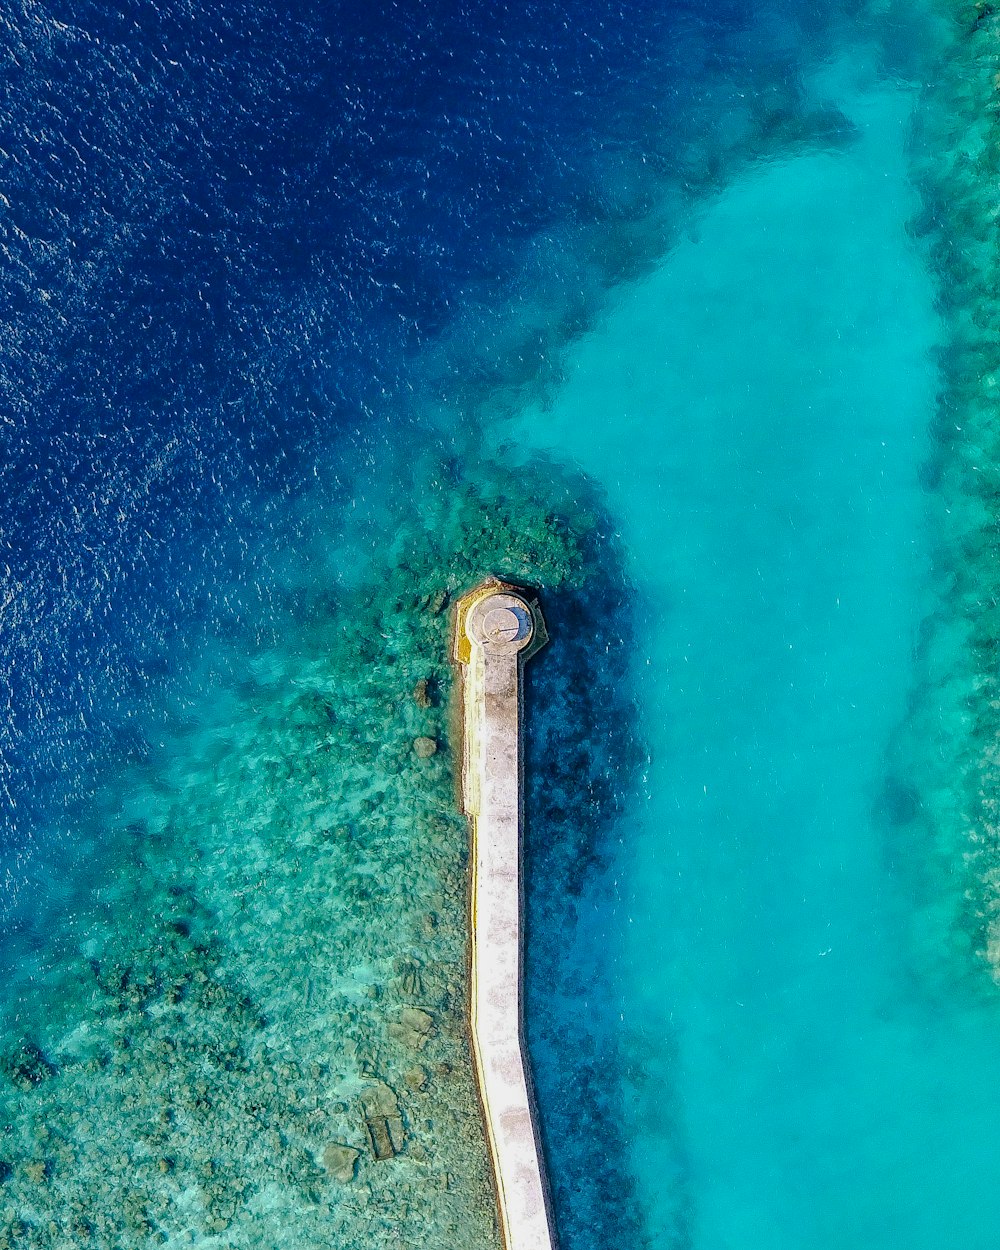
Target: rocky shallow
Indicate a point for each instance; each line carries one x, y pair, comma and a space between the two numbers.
257, 1032
941, 799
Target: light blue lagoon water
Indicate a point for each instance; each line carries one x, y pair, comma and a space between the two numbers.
758, 412
310, 324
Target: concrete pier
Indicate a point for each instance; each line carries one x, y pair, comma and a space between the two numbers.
497, 628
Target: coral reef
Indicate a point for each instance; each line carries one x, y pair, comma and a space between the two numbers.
941, 798
257, 1034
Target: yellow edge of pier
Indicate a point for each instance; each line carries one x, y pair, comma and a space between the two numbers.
497, 627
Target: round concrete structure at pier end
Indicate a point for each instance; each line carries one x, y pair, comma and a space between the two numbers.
497, 630
500, 622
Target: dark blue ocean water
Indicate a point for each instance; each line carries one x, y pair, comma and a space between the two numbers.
227, 234
226, 231
264, 271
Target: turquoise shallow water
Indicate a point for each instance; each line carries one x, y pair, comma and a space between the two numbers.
690, 394
758, 412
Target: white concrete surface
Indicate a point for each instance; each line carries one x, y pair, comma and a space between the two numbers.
494, 627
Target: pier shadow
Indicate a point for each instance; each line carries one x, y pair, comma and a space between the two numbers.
584, 757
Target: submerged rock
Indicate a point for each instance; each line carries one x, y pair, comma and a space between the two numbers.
385, 1136
416, 1078
418, 1020
413, 1028
383, 1121
340, 1161
411, 980
424, 748
28, 1066
422, 693
36, 1172
379, 1100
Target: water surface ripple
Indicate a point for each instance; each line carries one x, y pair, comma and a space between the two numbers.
309, 319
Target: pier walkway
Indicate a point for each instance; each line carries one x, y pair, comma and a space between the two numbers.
496, 630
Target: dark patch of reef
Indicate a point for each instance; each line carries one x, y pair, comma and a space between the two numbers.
941, 801
583, 763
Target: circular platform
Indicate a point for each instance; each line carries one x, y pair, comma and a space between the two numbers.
500, 622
